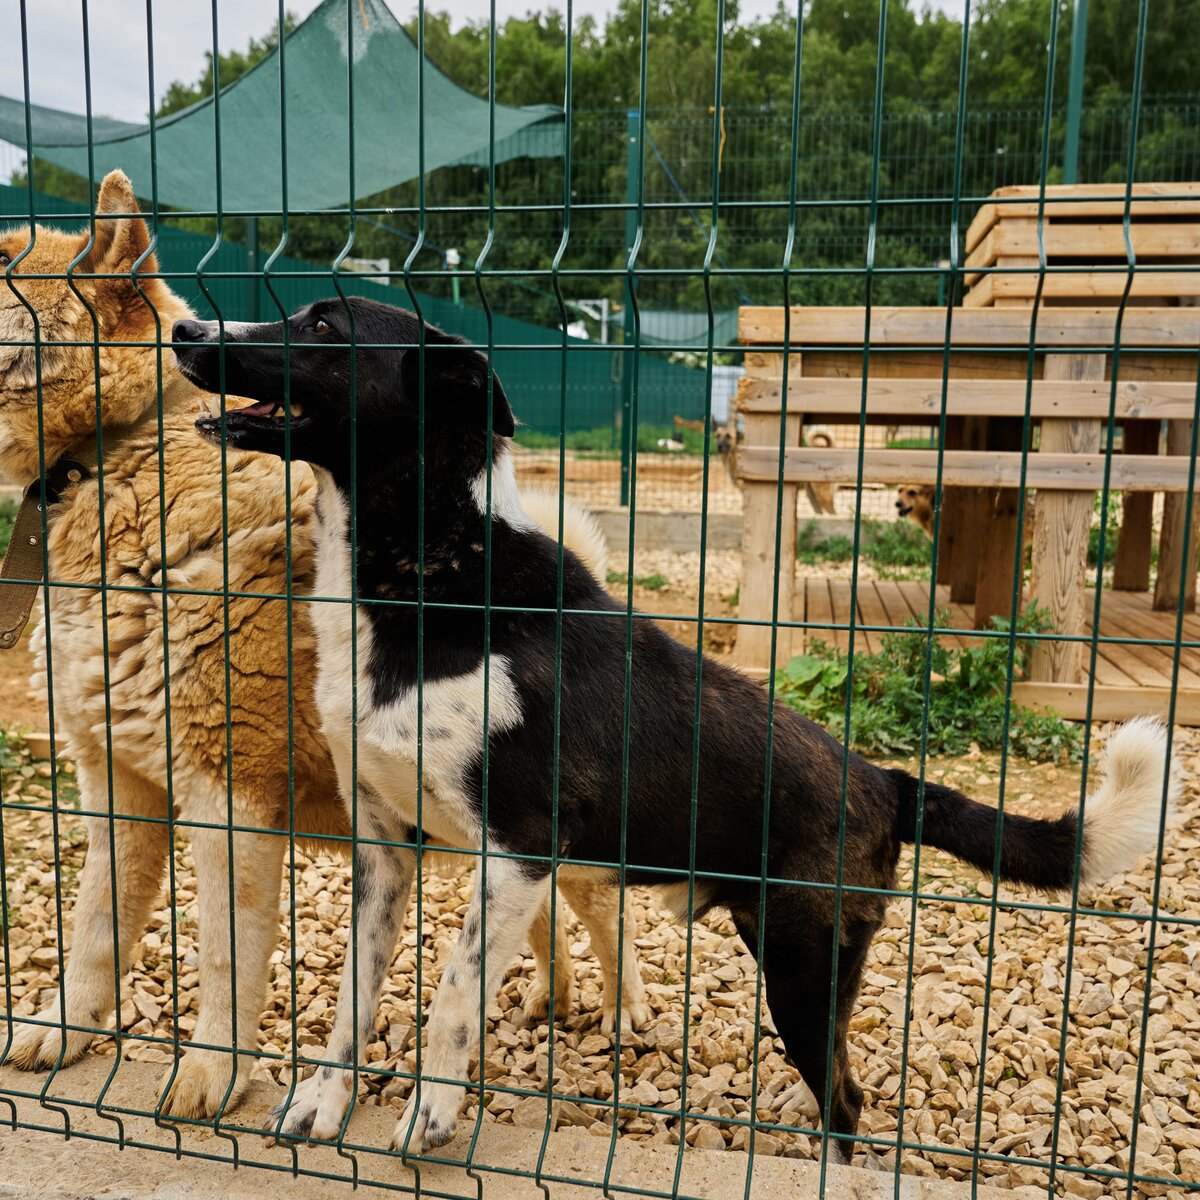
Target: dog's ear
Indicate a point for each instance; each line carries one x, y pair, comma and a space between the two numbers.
121, 234
456, 381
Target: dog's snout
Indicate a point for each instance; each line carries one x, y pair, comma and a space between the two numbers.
189, 331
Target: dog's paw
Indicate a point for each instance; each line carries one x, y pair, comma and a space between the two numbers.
535, 1004
635, 1012
39, 1047
201, 1087
433, 1122
317, 1108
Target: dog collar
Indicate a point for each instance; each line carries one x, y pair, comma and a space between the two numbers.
22, 574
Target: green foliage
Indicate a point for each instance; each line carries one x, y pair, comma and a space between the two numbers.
966, 696
1111, 536
653, 583
8, 514
1007, 59
886, 545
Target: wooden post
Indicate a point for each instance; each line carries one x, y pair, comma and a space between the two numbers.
752, 651
1170, 546
1131, 566
962, 515
1062, 521
997, 534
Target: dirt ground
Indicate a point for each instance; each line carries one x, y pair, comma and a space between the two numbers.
1122, 976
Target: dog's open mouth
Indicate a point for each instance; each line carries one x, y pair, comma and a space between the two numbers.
904, 509
245, 425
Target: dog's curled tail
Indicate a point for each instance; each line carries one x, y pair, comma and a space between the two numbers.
1120, 818
581, 530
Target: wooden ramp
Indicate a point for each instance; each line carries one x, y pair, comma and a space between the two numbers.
1133, 677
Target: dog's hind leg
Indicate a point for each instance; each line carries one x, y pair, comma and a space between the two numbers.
489, 941
597, 902
239, 899
131, 866
796, 966
383, 879
549, 944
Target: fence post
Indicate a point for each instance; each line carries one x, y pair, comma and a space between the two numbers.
633, 163
1075, 91
252, 268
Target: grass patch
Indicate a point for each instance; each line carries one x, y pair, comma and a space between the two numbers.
886, 545
604, 441
966, 698
8, 514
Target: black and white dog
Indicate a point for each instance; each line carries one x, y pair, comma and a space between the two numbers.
496, 672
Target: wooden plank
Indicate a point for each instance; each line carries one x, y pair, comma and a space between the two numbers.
890, 326
961, 617
839, 597
818, 608
1061, 524
1170, 545
911, 398
1109, 703
1131, 565
1090, 240
965, 468
1082, 200
1149, 666
1083, 285
760, 508
963, 513
998, 533
1138, 609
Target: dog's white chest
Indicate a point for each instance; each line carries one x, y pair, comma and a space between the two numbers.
451, 741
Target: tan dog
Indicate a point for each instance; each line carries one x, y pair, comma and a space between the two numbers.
915, 500
112, 648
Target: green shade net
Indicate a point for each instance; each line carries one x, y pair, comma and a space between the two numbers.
316, 59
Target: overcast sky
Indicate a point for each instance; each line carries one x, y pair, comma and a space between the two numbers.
182, 31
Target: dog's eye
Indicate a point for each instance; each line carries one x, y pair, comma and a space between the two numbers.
320, 325
5, 258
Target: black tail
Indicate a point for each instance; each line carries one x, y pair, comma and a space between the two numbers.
1033, 851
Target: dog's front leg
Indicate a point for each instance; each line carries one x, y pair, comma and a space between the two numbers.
233, 974
383, 879
496, 924
132, 868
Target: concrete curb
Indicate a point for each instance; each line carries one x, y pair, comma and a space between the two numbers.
37, 1163
661, 529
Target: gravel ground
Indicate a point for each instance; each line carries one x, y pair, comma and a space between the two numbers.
950, 963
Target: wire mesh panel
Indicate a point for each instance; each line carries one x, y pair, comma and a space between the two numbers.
373, 814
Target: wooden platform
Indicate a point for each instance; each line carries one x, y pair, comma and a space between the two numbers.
1132, 678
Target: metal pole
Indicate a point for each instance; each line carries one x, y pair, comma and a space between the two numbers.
632, 165
252, 280
1075, 92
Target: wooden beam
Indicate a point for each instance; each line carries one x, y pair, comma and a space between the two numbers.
997, 533
1109, 703
962, 468
1062, 522
760, 506
1066, 399
1056, 327
1167, 595
1131, 565
1092, 240
962, 514
1083, 200
1082, 285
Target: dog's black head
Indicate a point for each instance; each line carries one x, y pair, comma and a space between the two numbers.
339, 355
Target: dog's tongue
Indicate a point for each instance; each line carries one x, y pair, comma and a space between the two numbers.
265, 409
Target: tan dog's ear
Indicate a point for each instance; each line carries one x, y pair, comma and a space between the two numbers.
121, 239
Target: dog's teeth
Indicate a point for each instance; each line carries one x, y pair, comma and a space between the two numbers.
297, 411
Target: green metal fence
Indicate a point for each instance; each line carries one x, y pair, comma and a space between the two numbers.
194, 592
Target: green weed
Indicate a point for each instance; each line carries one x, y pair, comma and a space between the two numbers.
966, 697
